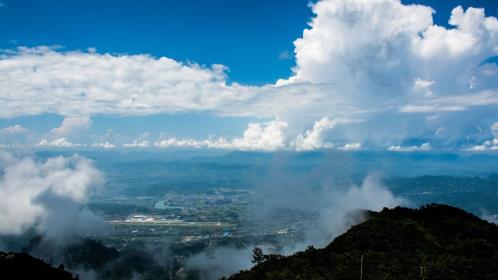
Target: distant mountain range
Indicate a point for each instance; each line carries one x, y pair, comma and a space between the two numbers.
433, 242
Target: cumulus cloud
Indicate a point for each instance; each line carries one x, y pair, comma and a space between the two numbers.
47, 195
14, 136
358, 59
173, 142
422, 148
350, 147
137, 144
488, 145
75, 83
383, 47
103, 145
314, 138
71, 125
423, 86
267, 136
15, 129
57, 143
494, 129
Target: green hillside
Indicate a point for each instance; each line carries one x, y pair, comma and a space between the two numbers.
433, 242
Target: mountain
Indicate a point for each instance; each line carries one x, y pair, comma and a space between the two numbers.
24, 266
433, 242
87, 255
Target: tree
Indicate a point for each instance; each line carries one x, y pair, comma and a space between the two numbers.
257, 255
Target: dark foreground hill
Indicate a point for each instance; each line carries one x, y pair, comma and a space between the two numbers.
433, 242
24, 266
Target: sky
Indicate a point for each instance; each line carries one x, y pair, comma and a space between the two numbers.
409, 76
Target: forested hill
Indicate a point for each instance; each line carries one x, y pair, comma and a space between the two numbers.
24, 266
433, 242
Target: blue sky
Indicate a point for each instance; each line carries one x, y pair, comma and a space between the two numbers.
254, 40
247, 36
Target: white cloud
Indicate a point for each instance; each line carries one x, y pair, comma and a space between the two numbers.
267, 136
262, 136
351, 147
71, 125
57, 143
137, 144
15, 129
423, 86
494, 129
410, 108
488, 145
28, 189
103, 145
379, 48
371, 60
314, 138
75, 83
173, 142
422, 148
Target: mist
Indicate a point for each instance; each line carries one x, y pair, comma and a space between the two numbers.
47, 195
334, 200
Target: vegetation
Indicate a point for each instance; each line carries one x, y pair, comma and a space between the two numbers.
23, 266
103, 261
433, 242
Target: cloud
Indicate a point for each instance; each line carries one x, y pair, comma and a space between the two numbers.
15, 129
262, 136
71, 125
33, 193
14, 136
57, 143
332, 201
382, 48
221, 262
75, 83
422, 148
494, 129
103, 145
333, 206
371, 60
266, 136
137, 144
351, 147
173, 142
313, 138
423, 86
488, 145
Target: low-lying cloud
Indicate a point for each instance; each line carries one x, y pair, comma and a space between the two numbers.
335, 204
47, 195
